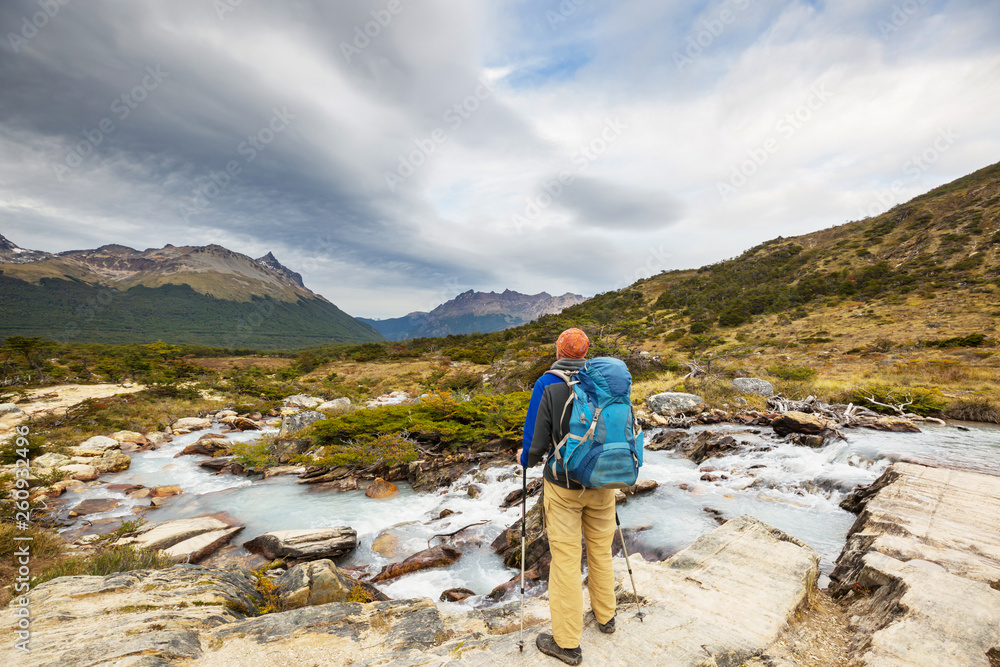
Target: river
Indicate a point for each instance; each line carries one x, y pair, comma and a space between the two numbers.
796, 489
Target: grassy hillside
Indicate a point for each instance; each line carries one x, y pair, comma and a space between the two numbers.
69, 310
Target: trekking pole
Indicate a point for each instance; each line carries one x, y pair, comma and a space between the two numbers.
524, 504
638, 610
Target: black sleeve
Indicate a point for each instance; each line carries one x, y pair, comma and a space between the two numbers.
542, 438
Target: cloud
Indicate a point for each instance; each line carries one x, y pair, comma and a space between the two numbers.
413, 143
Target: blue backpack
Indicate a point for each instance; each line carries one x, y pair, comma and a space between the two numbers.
603, 449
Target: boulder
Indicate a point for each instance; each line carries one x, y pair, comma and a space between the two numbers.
80, 472
130, 436
305, 544
303, 401
157, 439
336, 405
798, 422
298, 422
188, 424
708, 444
894, 425
112, 461
439, 556
431, 473
620, 497
197, 548
456, 594
321, 582
379, 488
667, 439
753, 386
285, 449
342, 484
217, 463
537, 556
244, 424
94, 506
514, 497
217, 446
386, 545
165, 490
51, 460
10, 409
166, 534
642, 486
95, 446
277, 471
672, 403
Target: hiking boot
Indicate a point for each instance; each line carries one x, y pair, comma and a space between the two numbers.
607, 628
547, 645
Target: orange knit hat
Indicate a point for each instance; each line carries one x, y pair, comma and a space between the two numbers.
572, 344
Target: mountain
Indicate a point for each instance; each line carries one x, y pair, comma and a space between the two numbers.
474, 312
191, 294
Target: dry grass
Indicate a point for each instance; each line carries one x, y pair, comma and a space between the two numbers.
226, 364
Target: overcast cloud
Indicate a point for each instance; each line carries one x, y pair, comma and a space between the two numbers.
481, 145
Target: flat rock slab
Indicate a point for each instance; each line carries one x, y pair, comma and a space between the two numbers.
196, 549
169, 533
948, 517
918, 615
87, 621
718, 602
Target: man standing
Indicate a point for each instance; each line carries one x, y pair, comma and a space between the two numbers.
570, 510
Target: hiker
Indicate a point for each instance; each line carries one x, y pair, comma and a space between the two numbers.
569, 510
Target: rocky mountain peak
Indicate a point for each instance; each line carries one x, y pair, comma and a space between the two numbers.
271, 262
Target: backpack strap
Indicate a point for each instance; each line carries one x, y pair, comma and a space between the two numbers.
569, 377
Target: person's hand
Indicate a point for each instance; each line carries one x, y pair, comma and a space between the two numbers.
517, 458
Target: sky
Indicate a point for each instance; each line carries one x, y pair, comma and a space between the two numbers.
397, 153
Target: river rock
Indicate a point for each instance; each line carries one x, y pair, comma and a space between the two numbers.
537, 556
217, 463
456, 594
166, 534
285, 449
672, 403
386, 545
51, 460
80, 471
95, 446
303, 401
298, 422
708, 444
277, 471
112, 461
514, 497
244, 424
165, 490
798, 422
305, 544
642, 486
94, 506
753, 386
130, 436
130, 618
379, 488
322, 582
336, 405
197, 548
157, 439
342, 484
666, 439
212, 446
438, 471
188, 424
894, 425
439, 556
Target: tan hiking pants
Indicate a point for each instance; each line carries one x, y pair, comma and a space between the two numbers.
567, 514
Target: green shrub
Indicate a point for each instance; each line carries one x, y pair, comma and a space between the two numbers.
972, 340
104, 561
388, 448
255, 454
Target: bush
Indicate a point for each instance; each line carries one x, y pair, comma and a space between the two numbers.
104, 561
978, 409
389, 449
255, 454
918, 400
972, 340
